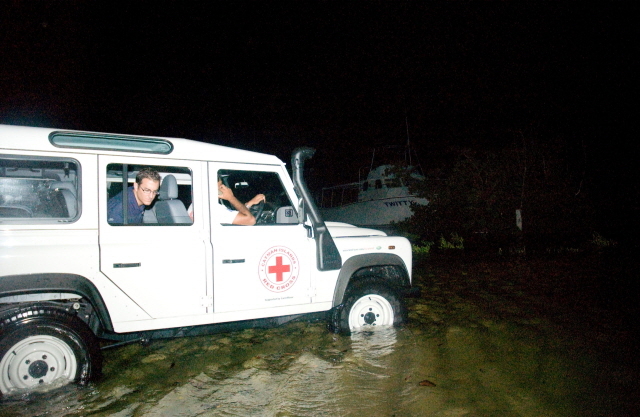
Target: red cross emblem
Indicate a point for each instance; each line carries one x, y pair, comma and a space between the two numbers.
278, 269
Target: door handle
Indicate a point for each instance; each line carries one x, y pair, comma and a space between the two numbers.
129, 265
233, 261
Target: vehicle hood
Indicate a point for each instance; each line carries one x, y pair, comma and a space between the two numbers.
338, 229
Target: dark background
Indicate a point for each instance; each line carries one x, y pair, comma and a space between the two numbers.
270, 76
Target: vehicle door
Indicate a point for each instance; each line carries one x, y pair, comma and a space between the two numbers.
160, 264
265, 266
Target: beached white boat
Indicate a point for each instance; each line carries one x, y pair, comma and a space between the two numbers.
380, 199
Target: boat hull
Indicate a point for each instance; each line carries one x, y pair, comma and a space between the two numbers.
380, 212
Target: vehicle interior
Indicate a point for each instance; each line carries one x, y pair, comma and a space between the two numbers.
278, 208
170, 206
39, 189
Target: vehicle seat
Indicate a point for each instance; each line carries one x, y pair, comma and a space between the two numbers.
170, 210
68, 192
150, 215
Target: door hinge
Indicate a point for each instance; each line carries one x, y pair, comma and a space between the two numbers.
207, 301
311, 292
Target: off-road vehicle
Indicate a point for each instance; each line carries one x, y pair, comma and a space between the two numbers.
71, 281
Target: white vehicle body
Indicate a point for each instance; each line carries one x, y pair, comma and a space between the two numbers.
127, 280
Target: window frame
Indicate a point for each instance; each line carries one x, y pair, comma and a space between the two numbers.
163, 170
276, 178
77, 182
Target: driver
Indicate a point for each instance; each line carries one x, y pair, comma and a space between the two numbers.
241, 215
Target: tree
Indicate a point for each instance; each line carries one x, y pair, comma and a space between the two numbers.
542, 177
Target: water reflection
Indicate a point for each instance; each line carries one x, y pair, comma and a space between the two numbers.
374, 346
478, 368
349, 377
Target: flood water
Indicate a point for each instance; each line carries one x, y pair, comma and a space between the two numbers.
457, 356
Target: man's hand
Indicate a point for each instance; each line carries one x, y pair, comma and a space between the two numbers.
225, 192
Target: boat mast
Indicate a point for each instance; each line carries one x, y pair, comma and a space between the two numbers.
373, 158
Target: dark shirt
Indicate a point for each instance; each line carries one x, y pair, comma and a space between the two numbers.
114, 209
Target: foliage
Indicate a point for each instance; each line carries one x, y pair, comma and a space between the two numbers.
478, 199
455, 242
602, 242
424, 249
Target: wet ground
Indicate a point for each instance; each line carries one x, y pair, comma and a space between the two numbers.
490, 336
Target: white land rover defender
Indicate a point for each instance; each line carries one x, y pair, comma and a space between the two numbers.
69, 277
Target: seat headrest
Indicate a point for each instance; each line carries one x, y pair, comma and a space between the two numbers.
63, 185
169, 188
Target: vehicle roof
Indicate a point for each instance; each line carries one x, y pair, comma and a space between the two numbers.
25, 138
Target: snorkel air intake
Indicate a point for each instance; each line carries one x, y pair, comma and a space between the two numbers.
328, 256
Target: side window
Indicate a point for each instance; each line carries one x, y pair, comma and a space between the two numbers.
393, 182
278, 208
156, 195
39, 190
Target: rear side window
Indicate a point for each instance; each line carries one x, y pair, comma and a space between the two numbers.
39, 190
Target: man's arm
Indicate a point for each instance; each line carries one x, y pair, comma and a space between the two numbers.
244, 216
255, 200
114, 209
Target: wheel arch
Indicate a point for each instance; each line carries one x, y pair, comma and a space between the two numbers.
51, 287
388, 267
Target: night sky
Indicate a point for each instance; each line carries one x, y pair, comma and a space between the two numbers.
339, 76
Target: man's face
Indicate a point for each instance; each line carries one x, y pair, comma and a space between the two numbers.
146, 191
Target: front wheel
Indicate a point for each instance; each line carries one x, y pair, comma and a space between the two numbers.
367, 307
40, 345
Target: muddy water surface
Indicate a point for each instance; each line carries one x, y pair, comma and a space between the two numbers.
477, 344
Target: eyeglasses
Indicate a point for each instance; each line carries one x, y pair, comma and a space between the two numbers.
149, 192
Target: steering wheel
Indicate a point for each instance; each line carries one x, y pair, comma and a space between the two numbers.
256, 210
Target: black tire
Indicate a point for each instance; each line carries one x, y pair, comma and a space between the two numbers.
42, 343
367, 305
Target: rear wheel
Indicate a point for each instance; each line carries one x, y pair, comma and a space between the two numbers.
368, 306
40, 345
